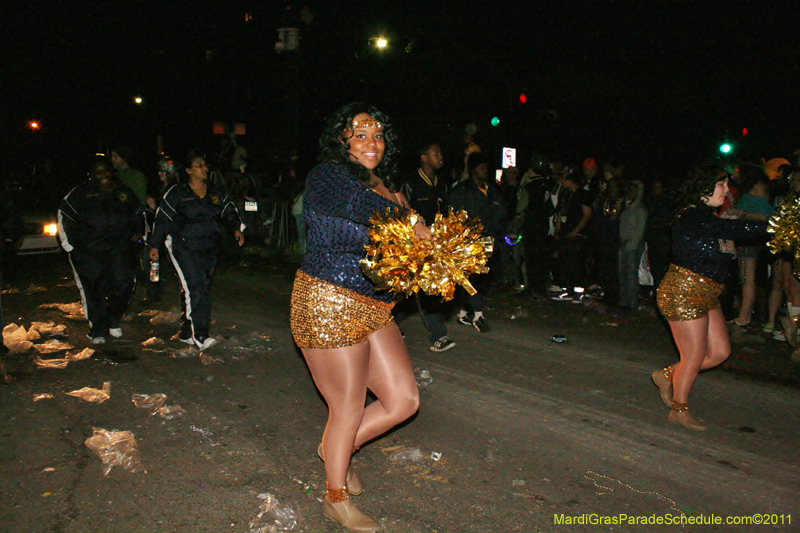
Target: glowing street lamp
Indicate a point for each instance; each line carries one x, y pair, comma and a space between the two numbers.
137, 100
34, 125
381, 42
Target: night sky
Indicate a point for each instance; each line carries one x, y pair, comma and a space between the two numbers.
655, 84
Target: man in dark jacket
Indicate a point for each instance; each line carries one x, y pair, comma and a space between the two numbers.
427, 194
101, 224
481, 199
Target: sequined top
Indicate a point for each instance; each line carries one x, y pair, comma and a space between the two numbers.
695, 241
337, 209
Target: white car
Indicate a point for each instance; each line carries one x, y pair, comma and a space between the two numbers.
39, 234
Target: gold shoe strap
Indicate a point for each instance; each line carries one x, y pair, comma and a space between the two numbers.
679, 407
668, 373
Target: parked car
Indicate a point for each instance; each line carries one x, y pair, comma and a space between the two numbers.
38, 224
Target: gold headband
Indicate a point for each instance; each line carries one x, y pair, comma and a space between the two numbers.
368, 123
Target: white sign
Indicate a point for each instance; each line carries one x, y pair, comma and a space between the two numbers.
509, 157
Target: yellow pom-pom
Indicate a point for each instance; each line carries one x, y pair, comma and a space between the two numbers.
398, 261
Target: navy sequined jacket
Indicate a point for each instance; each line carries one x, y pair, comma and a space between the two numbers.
195, 223
337, 209
695, 241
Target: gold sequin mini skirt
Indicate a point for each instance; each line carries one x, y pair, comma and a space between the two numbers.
686, 295
324, 315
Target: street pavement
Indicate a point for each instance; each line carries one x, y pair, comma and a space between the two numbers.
515, 432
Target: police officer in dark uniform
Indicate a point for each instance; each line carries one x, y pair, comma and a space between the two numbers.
189, 222
100, 224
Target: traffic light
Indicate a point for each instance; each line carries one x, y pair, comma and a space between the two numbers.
725, 148
495, 121
523, 98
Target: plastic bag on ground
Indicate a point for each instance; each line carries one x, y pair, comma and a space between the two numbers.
115, 448
151, 402
74, 310
52, 346
50, 363
16, 338
49, 328
166, 318
170, 412
424, 377
93, 395
86, 353
271, 517
408, 455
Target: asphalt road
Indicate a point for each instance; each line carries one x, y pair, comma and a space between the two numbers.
515, 432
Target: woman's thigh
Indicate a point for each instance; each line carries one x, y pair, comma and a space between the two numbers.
391, 376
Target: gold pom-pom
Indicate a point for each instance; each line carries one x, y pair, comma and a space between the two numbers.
398, 261
784, 225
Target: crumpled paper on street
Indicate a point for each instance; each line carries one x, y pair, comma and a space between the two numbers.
151, 402
50, 363
93, 395
115, 448
17, 339
153, 342
52, 346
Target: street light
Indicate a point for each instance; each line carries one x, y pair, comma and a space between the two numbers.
381, 42
34, 125
137, 100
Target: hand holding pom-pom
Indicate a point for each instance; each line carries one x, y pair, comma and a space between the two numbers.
784, 224
399, 261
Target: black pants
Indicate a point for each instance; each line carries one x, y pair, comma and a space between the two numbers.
195, 272
106, 282
572, 257
538, 259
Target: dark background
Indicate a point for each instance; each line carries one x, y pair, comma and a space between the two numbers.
657, 85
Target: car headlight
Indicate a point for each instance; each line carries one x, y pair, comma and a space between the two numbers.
50, 229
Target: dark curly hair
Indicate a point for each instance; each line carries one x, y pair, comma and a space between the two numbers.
334, 146
700, 182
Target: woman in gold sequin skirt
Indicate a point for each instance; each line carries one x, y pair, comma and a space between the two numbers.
343, 326
688, 293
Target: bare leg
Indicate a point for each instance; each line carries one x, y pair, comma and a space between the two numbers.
747, 272
776, 294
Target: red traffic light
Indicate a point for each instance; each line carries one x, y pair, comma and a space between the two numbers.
523, 98
744, 132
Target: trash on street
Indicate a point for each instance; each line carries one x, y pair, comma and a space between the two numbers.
50, 363
424, 377
86, 353
52, 346
151, 402
73, 311
272, 517
559, 338
407, 455
170, 412
42, 396
49, 328
115, 448
93, 395
153, 342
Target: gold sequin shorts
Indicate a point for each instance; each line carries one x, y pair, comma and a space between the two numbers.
686, 295
324, 315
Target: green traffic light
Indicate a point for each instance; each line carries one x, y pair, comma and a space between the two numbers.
495, 121
725, 148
